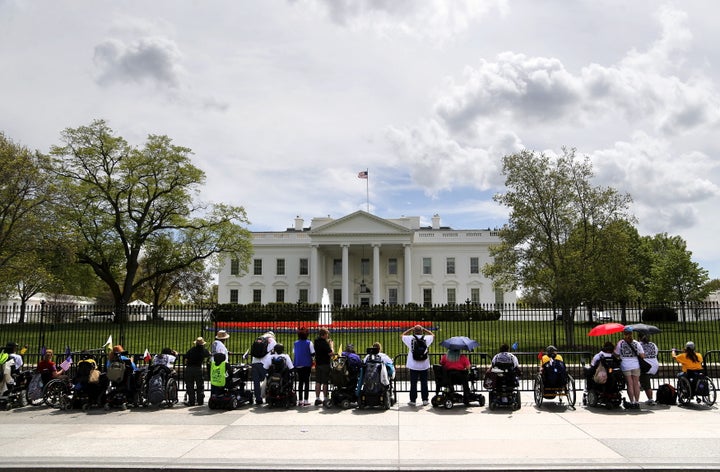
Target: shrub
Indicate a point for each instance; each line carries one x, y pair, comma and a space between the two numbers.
659, 313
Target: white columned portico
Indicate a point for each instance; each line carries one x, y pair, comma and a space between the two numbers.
376, 274
315, 288
345, 274
407, 274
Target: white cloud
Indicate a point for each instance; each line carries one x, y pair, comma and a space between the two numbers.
435, 20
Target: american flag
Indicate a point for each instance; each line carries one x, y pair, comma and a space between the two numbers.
363, 175
65, 365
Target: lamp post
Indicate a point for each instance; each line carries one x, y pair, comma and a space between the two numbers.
41, 342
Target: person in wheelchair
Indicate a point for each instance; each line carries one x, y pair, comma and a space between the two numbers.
456, 366
552, 368
690, 361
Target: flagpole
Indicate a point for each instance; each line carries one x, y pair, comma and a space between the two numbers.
367, 189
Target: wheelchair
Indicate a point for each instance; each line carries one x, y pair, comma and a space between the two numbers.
554, 382
445, 382
695, 384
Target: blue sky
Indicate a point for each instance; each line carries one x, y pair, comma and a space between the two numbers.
284, 101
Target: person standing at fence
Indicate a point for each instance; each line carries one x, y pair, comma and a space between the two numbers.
629, 350
195, 357
418, 341
303, 351
218, 346
261, 361
324, 348
651, 352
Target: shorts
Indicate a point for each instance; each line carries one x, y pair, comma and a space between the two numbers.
322, 374
632, 372
645, 381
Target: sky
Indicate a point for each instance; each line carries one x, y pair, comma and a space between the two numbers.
283, 102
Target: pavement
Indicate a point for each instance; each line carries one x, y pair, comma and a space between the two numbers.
552, 437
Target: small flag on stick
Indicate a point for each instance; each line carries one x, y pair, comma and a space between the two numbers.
363, 174
108, 345
65, 365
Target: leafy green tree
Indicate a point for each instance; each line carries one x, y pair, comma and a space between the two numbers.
673, 275
551, 240
188, 284
615, 274
23, 190
116, 199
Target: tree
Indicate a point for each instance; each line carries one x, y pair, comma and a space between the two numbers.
191, 283
616, 272
23, 187
673, 275
552, 237
116, 199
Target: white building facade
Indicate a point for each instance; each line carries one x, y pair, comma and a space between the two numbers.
362, 259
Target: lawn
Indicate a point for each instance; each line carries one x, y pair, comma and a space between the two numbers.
525, 336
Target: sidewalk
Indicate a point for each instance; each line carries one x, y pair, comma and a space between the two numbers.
402, 438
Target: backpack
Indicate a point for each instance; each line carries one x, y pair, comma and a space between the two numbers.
278, 364
259, 349
156, 389
666, 394
419, 348
116, 371
601, 374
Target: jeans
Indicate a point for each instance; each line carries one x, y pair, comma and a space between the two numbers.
258, 375
422, 376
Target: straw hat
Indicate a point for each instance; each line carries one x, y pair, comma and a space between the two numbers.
222, 334
200, 341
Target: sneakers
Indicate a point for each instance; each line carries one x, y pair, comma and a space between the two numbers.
189, 403
412, 404
650, 402
318, 402
426, 403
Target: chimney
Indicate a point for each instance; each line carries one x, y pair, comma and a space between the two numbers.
436, 221
299, 223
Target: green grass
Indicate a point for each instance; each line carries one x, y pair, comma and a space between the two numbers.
530, 336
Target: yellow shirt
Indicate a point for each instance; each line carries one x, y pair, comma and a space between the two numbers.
545, 359
687, 363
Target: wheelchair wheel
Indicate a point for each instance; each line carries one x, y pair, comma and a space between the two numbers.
516, 401
684, 391
55, 390
171, 393
539, 390
570, 390
592, 398
710, 398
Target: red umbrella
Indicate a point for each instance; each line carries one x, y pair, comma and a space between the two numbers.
607, 328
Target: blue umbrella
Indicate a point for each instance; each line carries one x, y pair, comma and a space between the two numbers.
459, 343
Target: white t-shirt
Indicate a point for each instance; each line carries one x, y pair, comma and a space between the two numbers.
651, 352
288, 361
411, 363
628, 359
219, 347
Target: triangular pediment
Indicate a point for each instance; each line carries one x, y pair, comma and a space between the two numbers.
360, 223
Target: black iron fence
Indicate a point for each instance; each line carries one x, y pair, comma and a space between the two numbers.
527, 330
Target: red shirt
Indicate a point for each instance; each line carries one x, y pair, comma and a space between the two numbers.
461, 364
46, 365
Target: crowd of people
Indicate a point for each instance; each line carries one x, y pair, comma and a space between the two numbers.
318, 354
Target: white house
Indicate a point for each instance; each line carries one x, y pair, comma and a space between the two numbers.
364, 259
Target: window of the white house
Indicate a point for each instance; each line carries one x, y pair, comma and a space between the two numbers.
234, 266
304, 266
257, 266
474, 265
427, 266
392, 266
450, 265
280, 267
234, 296
257, 295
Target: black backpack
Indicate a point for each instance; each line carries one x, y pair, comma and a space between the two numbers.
419, 348
259, 349
666, 394
156, 389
